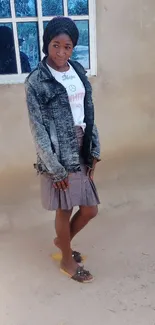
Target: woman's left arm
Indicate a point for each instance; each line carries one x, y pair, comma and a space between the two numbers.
95, 150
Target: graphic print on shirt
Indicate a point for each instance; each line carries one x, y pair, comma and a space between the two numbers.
72, 88
76, 93
66, 77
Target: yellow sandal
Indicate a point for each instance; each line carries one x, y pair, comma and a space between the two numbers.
76, 255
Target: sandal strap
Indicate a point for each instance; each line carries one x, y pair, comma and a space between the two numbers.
77, 256
74, 253
81, 274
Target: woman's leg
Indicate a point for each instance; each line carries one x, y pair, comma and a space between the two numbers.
68, 263
81, 219
62, 226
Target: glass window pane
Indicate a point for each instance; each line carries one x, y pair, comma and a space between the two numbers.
25, 8
5, 10
29, 45
52, 7
7, 50
6, 24
45, 24
78, 7
81, 51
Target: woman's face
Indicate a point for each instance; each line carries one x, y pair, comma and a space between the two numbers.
60, 50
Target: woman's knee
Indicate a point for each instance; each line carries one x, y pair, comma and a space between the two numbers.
63, 213
94, 212
89, 212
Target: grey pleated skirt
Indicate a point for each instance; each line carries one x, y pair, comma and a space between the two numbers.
81, 192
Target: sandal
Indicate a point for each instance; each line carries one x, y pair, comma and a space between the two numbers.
81, 275
76, 255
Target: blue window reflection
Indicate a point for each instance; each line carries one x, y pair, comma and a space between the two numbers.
81, 51
45, 24
52, 7
7, 50
78, 7
25, 8
5, 11
29, 45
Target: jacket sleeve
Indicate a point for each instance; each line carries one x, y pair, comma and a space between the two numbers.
41, 137
95, 150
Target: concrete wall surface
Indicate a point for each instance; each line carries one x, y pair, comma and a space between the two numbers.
123, 89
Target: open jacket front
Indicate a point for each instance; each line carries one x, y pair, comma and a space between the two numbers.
52, 123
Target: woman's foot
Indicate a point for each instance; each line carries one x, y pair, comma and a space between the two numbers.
76, 255
70, 266
75, 272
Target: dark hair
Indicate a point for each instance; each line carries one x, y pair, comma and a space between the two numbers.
57, 26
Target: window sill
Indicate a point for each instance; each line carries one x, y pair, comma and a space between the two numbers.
19, 79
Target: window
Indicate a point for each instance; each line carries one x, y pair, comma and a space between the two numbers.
22, 23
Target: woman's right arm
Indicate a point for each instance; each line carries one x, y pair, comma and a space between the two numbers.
41, 137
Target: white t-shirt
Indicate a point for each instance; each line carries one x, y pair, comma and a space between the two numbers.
76, 93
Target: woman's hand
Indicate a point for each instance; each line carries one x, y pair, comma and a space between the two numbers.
63, 185
91, 171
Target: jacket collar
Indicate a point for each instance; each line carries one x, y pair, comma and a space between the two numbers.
46, 75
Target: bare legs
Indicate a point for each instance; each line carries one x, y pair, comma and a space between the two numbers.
66, 230
62, 227
81, 219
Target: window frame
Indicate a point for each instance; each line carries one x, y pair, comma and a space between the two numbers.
91, 17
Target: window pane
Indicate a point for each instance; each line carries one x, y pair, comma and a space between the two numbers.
45, 24
78, 7
25, 8
81, 51
5, 10
29, 45
7, 50
6, 24
52, 7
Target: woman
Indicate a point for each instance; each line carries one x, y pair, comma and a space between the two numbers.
61, 113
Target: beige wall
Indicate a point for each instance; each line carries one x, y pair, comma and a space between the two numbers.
123, 90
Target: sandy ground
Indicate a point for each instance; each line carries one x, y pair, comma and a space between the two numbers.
120, 245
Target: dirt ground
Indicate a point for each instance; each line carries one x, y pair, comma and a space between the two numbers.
119, 244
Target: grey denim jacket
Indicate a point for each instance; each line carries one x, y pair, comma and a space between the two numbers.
52, 123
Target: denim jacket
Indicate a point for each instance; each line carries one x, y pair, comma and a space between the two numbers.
52, 123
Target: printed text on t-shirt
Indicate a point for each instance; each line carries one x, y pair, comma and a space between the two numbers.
77, 97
